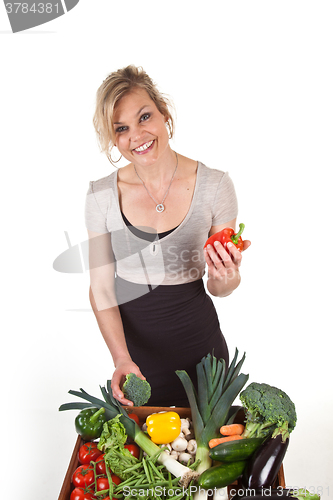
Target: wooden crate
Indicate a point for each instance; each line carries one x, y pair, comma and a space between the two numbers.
142, 412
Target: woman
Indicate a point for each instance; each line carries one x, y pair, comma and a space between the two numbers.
147, 224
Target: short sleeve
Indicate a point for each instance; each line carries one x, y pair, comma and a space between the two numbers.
225, 206
95, 210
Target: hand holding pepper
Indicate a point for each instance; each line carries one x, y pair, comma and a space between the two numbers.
223, 255
227, 235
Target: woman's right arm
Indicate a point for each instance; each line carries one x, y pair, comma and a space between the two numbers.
104, 305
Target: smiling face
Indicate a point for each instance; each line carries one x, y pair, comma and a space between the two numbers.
140, 129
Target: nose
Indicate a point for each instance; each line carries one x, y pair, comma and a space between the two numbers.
136, 134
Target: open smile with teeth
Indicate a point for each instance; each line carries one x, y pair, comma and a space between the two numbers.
144, 147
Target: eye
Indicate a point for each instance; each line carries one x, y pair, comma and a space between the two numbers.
119, 130
145, 117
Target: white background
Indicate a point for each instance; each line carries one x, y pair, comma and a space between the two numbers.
252, 85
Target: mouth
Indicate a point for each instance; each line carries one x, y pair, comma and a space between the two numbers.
147, 146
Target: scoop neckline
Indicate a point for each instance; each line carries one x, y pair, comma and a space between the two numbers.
183, 222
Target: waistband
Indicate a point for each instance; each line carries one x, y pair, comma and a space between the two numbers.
191, 285
127, 291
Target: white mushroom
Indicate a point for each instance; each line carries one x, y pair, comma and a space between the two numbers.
179, 444
144, 427
192, 446
185, 428
174, 454
185, 458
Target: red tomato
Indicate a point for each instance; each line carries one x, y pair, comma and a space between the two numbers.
100, 465
102, 483
88, 452
83, 476
82, 494
115, 479
133, 449
134, 417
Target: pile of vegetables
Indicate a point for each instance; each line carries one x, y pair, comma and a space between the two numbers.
254, 451
112, 409
218, 449
113, 469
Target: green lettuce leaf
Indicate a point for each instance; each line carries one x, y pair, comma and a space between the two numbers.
111, 442
113, 435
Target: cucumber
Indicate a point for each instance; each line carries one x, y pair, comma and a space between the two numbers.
233, 451
221, 475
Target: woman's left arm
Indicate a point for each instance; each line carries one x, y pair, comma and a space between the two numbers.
223, 268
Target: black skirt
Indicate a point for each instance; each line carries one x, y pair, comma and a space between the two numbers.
169, 328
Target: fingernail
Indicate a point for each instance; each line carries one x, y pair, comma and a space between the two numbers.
216, 243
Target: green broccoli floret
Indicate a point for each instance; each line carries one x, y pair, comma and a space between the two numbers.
136, 390
266, 409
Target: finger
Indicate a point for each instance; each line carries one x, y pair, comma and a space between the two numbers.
119, 395
235, 254
115, 386
246, 244
207, 257
212, 273
223, 255
139, 374
126, 402
208, 253
215, 258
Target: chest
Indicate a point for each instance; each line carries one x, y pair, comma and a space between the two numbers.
139, 206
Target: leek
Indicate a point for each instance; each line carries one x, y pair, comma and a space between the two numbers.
112, 409
211, 404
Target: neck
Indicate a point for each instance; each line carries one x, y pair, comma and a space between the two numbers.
160, 172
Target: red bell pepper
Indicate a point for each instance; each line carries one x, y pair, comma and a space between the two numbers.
227, 235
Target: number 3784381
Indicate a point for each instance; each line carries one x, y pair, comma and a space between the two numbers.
35, 8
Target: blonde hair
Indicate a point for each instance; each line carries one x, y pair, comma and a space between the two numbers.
116, 86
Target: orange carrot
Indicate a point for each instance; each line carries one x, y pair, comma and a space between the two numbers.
229, 430
215, 441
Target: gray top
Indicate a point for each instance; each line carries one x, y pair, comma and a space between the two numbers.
176, 258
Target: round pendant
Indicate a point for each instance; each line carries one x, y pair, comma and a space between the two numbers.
160, 207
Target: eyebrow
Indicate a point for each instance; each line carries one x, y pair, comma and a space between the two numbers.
138, 113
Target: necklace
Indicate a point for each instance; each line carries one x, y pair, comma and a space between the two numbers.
159, 206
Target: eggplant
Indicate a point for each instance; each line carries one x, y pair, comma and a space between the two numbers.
264, 465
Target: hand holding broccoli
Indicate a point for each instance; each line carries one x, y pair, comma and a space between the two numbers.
123, 368
136, 390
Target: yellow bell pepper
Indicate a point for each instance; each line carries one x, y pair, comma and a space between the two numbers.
163, 427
